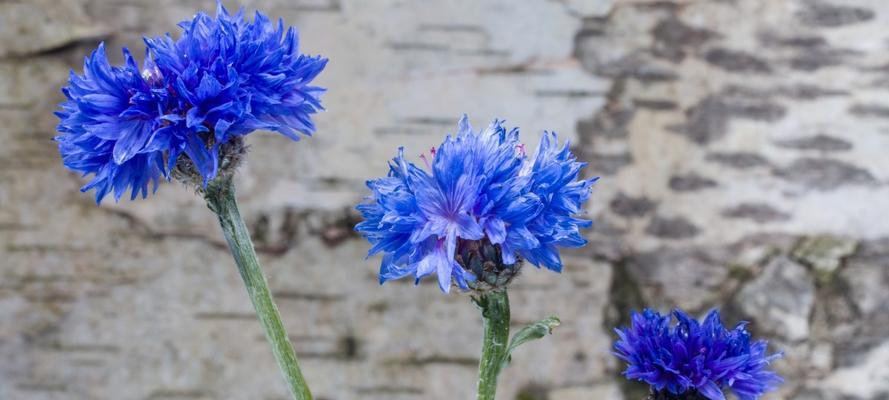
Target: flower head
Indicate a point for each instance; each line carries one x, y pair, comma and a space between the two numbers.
222, 79
693, 358
108, 125
482, 201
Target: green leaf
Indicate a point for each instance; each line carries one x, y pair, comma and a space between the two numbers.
531, 332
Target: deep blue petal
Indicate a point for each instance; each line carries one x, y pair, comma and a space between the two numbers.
705, 357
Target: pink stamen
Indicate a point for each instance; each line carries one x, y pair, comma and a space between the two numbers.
521, 149
425, 160
423, 157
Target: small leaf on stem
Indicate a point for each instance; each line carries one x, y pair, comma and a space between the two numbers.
531, 332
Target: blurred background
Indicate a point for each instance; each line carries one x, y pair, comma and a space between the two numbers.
742, 146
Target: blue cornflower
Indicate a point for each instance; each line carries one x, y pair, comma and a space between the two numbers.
222, 79
694, 358
107, 126
553, 174
482, 195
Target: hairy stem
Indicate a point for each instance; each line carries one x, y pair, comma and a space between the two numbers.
495, 313
220, 197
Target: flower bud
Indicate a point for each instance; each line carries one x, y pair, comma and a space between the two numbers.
485, 261
231, 154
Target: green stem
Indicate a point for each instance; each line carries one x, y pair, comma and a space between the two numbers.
495, 313
220, 196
